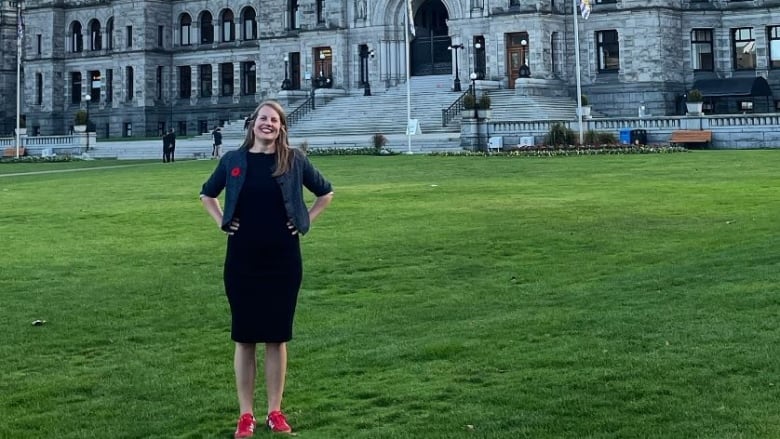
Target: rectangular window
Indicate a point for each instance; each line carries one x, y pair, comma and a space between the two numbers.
320, 11
601, 2
75, 87
128, 129
109, 85
701, 50
745, 106
95, 83
185, 82
160, 36
38, 44
129, 36
38, 89
744, 48
608, 51
248, 78
129, 84
159, 82
226, 78
203, 126
773, 35
182, 131
205, 81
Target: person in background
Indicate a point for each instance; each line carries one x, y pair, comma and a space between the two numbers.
217, 136
264, 216
166, 139
171, 145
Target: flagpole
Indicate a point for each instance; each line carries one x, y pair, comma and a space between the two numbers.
408, 85
577, 63
18, 73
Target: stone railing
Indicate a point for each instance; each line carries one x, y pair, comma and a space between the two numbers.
737, 131
33, 145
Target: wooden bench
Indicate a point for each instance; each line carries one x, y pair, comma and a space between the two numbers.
684, 137
11, 152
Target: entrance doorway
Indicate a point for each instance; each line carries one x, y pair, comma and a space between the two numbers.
517, 56
429, 50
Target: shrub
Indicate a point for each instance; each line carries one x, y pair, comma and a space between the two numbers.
584, 100
606, 138
484, 102
695, 96
559, 135
80, 118
469, 101
379, 141
600, 138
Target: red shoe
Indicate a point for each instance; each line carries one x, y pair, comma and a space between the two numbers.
246, 426
277, 422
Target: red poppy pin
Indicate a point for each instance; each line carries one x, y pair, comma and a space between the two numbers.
235, 172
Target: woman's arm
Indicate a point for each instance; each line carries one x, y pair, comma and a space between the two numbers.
320, 203
213, 208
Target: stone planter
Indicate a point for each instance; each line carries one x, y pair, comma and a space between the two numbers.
79, 128
484, 114
694, 108
585, 111
21, 131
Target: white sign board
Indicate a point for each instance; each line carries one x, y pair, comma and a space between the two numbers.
412, 127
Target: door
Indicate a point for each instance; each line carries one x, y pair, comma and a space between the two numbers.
517, 56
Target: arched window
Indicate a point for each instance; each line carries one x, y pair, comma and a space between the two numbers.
228, 26
76, 42
249, 21
185, 27
110, 34
206, 28
95, 37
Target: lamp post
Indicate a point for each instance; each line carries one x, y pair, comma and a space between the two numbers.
286, 82
366, 85
321, 79
473, 78
456, 84
87, 97
477, 70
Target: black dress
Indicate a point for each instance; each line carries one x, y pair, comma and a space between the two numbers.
263, 268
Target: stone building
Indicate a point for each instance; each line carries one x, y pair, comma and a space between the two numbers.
150, 65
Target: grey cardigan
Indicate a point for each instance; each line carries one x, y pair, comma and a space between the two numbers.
231, 172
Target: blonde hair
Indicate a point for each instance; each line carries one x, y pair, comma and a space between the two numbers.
282, 146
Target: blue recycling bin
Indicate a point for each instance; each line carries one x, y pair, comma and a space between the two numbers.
625, 136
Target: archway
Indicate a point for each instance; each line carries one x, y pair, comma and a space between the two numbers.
428, 50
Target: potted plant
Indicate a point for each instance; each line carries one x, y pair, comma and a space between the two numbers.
585, 106
484, 106
80, 121
469, 103
694, 102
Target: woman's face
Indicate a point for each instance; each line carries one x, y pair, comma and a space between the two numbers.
267, 124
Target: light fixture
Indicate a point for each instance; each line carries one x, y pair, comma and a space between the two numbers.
478, 46
523, 42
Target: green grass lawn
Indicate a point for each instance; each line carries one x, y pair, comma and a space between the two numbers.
627, 296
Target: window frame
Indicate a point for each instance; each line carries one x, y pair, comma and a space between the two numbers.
736, 40
601, 44
696, 33
773, 35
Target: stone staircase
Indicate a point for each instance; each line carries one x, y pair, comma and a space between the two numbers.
509, 106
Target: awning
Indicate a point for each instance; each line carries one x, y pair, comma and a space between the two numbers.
733, 87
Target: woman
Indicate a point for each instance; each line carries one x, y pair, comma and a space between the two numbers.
264, 216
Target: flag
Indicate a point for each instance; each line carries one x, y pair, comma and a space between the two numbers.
20, 26
410, 17
585, 8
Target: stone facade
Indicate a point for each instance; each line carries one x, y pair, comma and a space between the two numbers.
129, 56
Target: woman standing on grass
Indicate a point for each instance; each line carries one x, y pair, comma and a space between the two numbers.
264, 216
